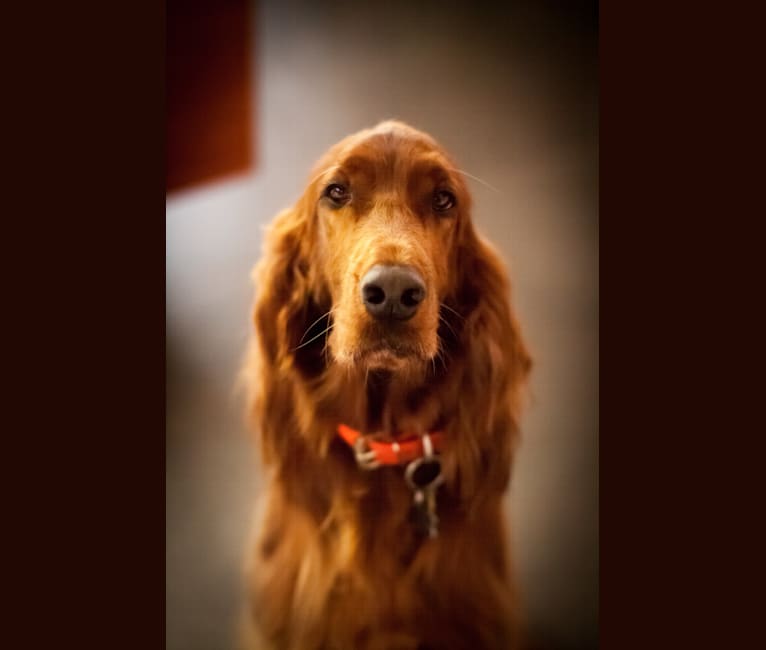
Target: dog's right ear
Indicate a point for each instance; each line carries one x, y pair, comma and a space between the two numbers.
284, 286
285, 306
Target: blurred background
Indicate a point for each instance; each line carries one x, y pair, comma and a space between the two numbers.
256, 92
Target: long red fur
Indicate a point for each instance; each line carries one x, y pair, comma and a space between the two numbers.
337, 563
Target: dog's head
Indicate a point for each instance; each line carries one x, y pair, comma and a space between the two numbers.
378, 234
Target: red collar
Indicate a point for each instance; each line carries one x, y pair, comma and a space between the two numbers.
391, 453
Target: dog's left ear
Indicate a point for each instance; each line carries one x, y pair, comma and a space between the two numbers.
494, 369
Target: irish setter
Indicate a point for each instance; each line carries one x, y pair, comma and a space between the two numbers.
385, 378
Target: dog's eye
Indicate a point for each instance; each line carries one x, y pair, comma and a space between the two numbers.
337, 193
443, 200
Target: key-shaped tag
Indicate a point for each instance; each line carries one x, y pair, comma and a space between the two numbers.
424, 476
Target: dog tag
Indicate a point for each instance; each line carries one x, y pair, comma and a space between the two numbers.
424, 516
424, 476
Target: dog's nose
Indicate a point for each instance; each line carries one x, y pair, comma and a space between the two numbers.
392, 291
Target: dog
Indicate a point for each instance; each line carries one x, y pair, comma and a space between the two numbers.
385, 384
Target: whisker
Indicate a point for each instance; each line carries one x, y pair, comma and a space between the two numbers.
444, 320
326, 349
308, 329
476, 178
446, 306
313, 338
441, 353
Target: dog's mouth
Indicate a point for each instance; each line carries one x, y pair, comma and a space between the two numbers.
391, 352
385, 357
386, 348
390, 346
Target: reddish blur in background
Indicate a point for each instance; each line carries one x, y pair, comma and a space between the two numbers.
255, 94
